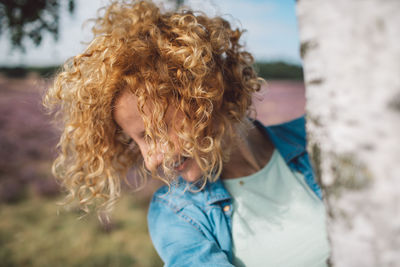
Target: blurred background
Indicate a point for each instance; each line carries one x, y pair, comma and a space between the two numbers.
36, 37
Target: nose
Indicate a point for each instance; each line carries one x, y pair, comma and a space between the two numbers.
154, 160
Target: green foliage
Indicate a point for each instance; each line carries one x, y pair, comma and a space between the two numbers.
279, 71
21, 72
33, 233
266, 70
30, 19
179, 3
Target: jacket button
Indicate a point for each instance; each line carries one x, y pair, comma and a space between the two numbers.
227, 208
241, 182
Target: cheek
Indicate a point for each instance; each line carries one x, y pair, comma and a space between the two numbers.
147, 164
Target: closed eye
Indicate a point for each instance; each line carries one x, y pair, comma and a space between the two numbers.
131, 144
142, 134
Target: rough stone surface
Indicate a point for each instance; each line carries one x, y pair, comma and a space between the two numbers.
351, 57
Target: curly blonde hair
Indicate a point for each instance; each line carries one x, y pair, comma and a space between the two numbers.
181, 59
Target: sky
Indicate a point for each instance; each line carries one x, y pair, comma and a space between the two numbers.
271, 31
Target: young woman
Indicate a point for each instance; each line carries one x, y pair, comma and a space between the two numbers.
168, 93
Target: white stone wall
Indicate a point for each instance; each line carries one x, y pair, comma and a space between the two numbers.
351, 54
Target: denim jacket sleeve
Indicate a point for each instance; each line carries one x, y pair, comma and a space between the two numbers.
179, 241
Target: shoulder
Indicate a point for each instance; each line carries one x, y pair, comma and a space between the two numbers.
181, 194
182, 202
177, 196
166, 208
181, 230
170, 203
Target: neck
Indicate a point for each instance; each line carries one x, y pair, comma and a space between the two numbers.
251, 154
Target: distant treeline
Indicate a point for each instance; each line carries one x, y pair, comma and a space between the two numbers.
22, 72
267, 70
279, 71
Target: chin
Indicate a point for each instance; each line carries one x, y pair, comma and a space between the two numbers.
192, 172
191, 178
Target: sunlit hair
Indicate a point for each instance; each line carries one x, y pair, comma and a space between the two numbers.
181, 60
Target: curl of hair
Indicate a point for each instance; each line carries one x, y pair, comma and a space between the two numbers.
180, 59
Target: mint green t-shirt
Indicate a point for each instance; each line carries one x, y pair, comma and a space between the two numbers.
277, 219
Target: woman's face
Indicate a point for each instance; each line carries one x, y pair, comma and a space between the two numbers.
127, 116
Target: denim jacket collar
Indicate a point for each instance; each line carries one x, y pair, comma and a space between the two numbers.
289, 147
217, 192
286, 147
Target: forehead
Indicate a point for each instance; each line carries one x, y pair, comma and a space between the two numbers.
128, 117
125, 111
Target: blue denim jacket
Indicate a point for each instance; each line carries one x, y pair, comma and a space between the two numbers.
194, 228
